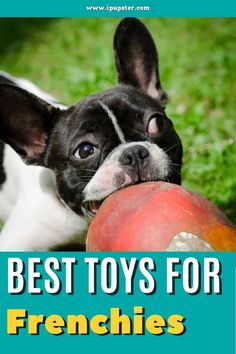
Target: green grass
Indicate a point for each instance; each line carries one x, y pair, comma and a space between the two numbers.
72, 58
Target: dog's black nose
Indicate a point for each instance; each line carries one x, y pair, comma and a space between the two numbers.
136, 155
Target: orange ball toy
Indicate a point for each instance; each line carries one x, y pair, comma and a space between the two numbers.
160, 216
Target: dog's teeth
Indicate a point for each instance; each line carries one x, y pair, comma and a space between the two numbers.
94, 206
90, 208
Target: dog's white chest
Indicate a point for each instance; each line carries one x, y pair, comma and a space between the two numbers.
34, 217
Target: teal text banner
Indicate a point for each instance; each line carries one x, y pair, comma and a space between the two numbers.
160, 302
119, 8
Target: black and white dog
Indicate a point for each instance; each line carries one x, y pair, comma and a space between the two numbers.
57, 164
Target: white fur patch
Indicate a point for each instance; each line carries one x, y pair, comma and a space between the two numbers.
114, 122
34, 217
100, 186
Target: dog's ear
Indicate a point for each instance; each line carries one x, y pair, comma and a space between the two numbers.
25, 122
136, 58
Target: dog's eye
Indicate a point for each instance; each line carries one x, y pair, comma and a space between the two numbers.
155, 125
84, 150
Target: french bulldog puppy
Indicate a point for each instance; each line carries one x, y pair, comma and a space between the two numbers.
58, 163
